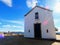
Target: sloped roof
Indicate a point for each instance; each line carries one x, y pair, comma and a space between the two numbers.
38, 7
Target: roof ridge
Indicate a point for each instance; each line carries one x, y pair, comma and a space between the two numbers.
39, 7
43, 8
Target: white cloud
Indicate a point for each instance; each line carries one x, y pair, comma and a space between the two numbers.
56, 21
57, 7
6, 26
17, 31
12, 25
31, 3
58, 29
7, 2
12, 28
17, 22
14, 21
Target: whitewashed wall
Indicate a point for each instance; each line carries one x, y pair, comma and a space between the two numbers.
43, 15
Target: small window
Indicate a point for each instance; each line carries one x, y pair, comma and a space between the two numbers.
29, 31
47, 30
36, 15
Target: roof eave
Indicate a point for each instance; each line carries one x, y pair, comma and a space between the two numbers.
39, 7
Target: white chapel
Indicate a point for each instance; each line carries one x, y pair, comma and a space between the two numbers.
39, 24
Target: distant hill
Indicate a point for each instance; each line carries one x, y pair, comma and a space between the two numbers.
18, 33
14, 33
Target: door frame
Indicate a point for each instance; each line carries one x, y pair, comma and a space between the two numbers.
39, 32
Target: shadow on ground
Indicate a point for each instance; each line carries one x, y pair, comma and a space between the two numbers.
20, 40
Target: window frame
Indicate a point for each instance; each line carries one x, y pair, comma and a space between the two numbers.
36, 15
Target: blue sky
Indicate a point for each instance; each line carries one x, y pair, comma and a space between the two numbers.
12, 12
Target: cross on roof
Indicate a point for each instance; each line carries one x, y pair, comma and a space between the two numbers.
36, 4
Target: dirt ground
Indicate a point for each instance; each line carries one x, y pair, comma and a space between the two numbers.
20, 40
58, 37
